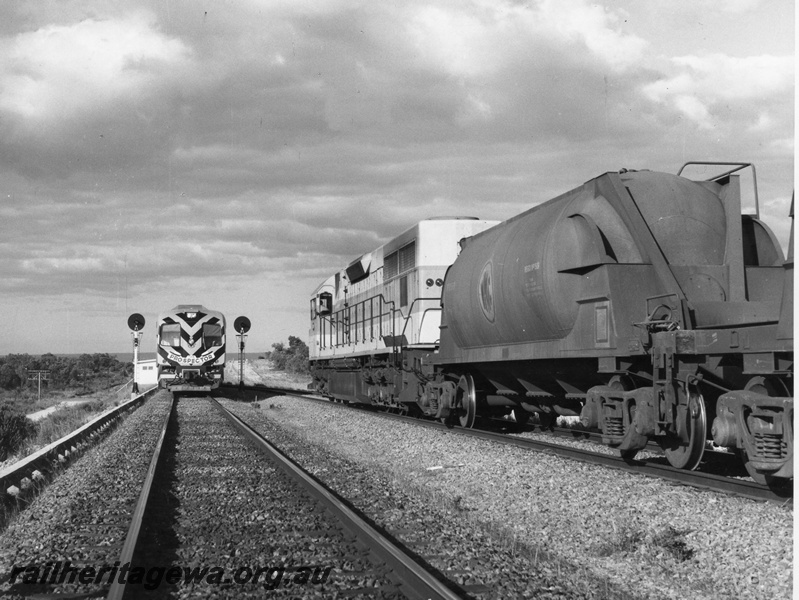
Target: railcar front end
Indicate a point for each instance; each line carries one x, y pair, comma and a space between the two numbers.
190, 349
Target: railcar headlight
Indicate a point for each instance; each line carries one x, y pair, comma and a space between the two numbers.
429, 282
439, 282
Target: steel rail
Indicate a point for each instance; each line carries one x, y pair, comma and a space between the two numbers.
707, 481
19, 476
117, 590
409, 570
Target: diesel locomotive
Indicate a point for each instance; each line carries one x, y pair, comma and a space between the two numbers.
190, 352
647, 304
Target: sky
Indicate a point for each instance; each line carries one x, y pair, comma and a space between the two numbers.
236, 153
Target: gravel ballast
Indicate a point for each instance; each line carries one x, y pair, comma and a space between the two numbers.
227, 506
619, 533
83, 516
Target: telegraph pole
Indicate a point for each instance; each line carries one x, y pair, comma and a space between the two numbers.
39, 375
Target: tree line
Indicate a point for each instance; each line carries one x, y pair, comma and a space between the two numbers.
85, 371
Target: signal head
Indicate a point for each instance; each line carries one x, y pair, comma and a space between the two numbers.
136, 322
241, 324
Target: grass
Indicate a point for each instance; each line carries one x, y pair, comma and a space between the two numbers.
55, 426
671, 540
625, 539
628, 539
26, 399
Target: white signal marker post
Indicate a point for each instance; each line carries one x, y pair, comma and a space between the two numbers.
242, 326
136, 323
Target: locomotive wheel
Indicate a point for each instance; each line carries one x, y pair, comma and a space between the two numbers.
688, 452
466, 401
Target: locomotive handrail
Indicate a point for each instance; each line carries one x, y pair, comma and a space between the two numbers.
410, 310
343, 315
738, 166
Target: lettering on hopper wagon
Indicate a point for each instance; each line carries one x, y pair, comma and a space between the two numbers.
533, 267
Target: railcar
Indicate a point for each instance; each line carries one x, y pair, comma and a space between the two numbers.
190, 349
648, 304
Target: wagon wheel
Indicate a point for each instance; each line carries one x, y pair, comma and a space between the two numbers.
688, 450
466, 402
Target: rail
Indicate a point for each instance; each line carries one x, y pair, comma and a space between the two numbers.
117, 590
413, 574
19, 477
651, 468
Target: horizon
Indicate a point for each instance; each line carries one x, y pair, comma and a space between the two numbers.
240, 154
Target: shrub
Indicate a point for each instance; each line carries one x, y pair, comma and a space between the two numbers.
9, 378
293, 359
15, 429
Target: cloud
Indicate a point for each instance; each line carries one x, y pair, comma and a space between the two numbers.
62, 72
262, 144
701, 87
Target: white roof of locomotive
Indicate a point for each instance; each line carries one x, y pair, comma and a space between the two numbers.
436, 243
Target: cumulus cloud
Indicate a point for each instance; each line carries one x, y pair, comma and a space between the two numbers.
700, 83
62, 72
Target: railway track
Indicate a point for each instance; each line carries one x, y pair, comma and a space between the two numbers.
274, 522
651, 467
20, 481
88, 510
208, 500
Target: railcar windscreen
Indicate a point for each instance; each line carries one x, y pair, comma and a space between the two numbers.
212, 335
170, 335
